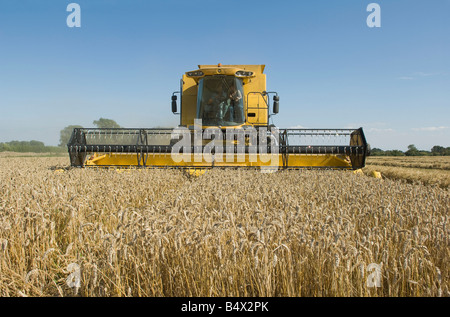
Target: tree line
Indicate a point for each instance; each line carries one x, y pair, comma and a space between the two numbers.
39, 147
436, 150
29, 146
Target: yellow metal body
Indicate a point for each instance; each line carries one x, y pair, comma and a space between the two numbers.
275, 161
253, 103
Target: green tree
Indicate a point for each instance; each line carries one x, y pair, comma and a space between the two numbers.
28, 146
412, 150
103, 123
4, 147
395, 153
65, 134
377, 152
438, 150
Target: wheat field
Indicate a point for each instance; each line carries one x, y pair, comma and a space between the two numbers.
98, 232
426, 162
429, 170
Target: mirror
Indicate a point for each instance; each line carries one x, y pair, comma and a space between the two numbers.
174, 103
276, 104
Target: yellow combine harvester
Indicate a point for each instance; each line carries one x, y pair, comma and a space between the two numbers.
224, 122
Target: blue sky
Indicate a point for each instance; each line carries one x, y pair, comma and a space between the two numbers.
330, 69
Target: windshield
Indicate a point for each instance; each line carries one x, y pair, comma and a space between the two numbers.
220, 101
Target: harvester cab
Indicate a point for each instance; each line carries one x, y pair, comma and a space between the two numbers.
225, 96
225, 116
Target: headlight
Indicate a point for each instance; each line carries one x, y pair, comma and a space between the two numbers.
195, 74
242, 73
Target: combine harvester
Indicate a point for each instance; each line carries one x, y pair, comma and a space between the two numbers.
224, 122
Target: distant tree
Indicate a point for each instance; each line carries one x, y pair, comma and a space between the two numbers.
5, 147
65, 134
412, 147
28, 146
394, 153
438, 150
35, 146
412, 150
377, 152
106, 123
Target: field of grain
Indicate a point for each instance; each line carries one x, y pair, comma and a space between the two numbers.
89, 232
426, 162
429, 170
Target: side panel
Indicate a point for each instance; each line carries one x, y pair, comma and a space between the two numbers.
188, 101
255, 105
